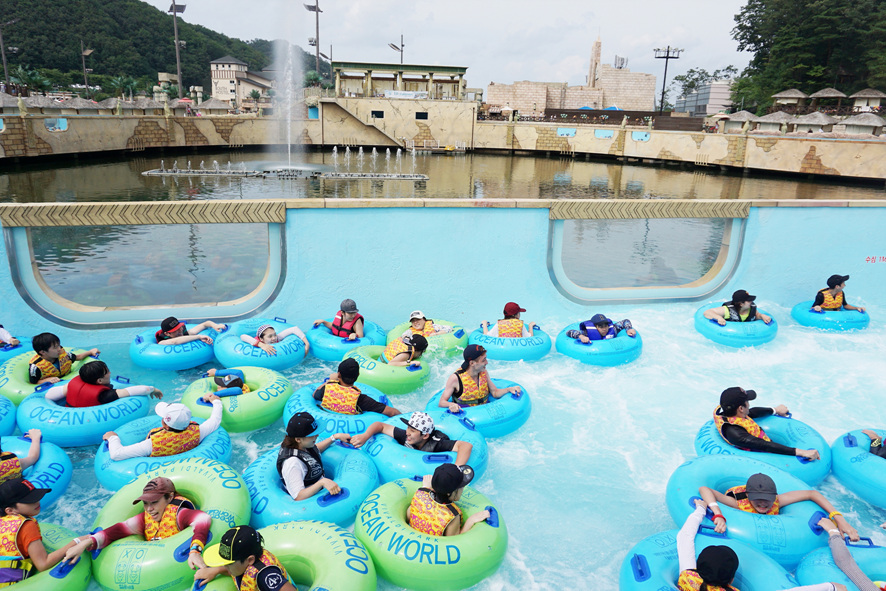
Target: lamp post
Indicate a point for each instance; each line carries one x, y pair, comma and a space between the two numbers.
177, 9
667, 54
398, 49
316, 41
3, 50
83, 53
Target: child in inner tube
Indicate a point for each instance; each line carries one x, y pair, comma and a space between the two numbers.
740, 309
92, 387
298, 461
433, 511
266, 337
600, 328
876, 448
6, 338
12, 466
347, 323
173, 332
405, 351
833, 297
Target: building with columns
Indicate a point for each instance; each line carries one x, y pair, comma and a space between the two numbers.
233, 82
367, 80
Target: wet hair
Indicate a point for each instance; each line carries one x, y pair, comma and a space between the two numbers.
93, 371
43, 341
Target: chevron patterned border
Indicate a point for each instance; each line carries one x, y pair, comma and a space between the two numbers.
615, 209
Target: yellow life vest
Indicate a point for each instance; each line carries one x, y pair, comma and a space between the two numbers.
396, 347
741, 496
168, 524
510, 328
426, 331
473, 393
690, 580
830, 302
169, 443
10, 466
748, 424
340, 398
13, 571
248, 582
49, 370
428, 516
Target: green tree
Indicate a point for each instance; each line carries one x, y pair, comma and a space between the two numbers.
254, 94
695, 78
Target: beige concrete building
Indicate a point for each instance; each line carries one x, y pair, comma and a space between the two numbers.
607, 86
233, 81
368, 80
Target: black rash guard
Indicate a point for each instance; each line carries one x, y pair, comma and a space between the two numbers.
738, 437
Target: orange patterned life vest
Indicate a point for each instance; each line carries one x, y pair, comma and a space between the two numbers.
248, 580
396, 347
510, 328
428, 516
49, 370
340, 398
830, 302
741, 496
426, 331
10, 466
169, 443
168, 524
690, 580
472, 393
12, 571
748, 424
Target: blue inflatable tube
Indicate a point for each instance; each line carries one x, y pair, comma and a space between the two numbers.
513, 348
8, 351
53, 470
819, 566
7, 416
67, 426
113, 475
786, 537
398, 461
735, 334
302, 400
652, 564
350, 468
231, 351
144, 350
499, 417
829, 319
607, 352
328, 347
784, 430
858, 469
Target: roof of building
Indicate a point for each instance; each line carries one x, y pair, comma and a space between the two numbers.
7, 100
815, 118
254, 82
78, 103
865, 119
385, 67
42, 102
228, 60
262, 75
790, 93
146, 103
742, 116
776, 117
827, 93
868, 93
215, 104
111, 103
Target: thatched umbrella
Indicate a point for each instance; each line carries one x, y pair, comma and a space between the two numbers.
827, 93
736, 121
864, 123
214, 106
44, 104
774, 121
791, 96
869, 96
78, 104
815, 121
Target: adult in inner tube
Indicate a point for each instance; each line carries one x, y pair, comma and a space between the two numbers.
348, 323
510, 326
741, 308
433, 510
419, 434
833, 297
298, 461
470, 385
734, 419
339, 394
173, 332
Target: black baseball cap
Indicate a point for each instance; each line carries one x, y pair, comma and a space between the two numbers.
349, 370
742, 296
237, 544
761, 488
19, 490
170, 324
599, 319
418, 341
716, 565
302, 424
735, 397
448, 478
835, 280
472, 352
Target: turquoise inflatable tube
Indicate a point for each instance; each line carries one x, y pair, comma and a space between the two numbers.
390, 379
784, 430
735, 334
398, 461
607, 352
68, 426
8, 351
7, 416
513, 348
332, 422
113, 474
819, 566
144, 350
829, 319
328, 347
786, 537
858, 469
652, 564
64, 576
231, 351
499, 417
408, 558
53, 470
350, 468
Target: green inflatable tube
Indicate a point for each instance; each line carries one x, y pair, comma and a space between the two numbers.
61, 576
441, 345
317, 556
258, 408
390, 379
132, 564
14, 382
411, 559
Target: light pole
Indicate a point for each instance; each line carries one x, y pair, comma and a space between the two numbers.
398, 49
3, 50
177, 9
316, 41
83, 53
667, 54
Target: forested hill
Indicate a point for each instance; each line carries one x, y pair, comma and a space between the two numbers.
130, 38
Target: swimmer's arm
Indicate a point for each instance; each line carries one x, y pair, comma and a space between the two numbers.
80, 356
43, 561
325, 323
711, 496
374, 429
248, 339
489, 331
134, 526
118, 451
472, 521
462, 451
358, 328
686, 538
34, 451
181, 340
199, 520
442, 329
209, 573
400, 360
57, 393
497, 392
718, 314
528, 328
139, 391
796, 496
208, 324
6, 336
208, 426
324, 444
294, 330
448, 391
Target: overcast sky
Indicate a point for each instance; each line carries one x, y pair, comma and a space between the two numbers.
500, 41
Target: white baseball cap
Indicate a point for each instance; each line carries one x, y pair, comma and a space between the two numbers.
175, 414
420, 421
417, 314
